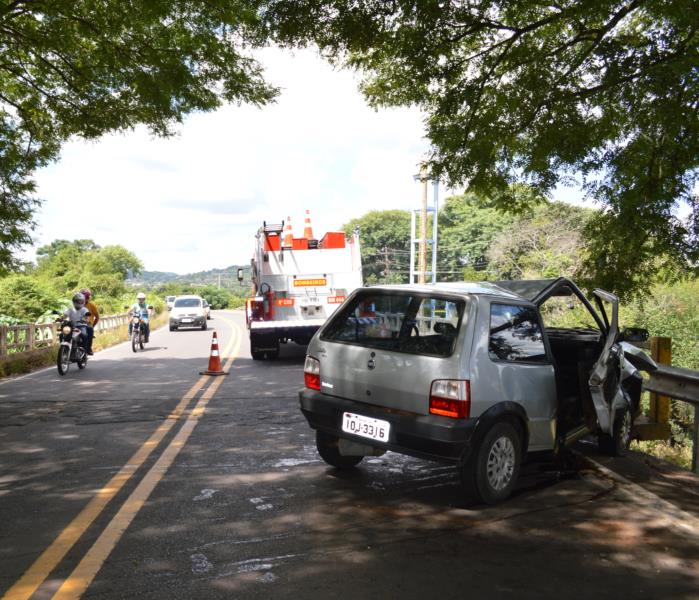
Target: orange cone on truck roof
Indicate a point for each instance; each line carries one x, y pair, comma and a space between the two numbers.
288, 234
307, 229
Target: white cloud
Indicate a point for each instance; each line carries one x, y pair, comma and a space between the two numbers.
195, 201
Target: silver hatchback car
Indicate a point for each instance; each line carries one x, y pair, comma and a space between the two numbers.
476, 374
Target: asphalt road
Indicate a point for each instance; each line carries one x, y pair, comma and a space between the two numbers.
137, 478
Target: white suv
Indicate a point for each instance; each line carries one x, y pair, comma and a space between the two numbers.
188, 311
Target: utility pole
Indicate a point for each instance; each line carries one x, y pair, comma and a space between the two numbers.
422, 248
387, 266
419, 275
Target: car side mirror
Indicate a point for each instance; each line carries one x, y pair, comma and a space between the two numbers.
240, 275
634, 334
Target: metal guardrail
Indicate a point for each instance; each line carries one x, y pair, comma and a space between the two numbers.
32, 336
675, 382
680, 384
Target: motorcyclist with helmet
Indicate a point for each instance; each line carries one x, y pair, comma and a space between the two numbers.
78, 316
92, 318
140, 309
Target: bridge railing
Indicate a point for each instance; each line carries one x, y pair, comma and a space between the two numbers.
33, 336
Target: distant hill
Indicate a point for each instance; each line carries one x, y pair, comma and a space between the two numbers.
227, 277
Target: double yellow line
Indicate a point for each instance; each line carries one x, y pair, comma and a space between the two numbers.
81, 577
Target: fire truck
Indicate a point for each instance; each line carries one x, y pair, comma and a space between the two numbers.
297, 284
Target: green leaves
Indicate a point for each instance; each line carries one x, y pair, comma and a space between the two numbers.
86, 67
384, 237
531, 93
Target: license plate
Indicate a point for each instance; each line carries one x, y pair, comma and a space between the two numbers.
187, 320
374, 429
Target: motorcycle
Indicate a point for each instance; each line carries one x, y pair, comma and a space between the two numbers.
71, 347
138, 335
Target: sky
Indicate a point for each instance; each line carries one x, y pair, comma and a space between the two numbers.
195, 201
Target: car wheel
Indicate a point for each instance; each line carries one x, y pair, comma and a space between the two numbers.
330, 453
490, 474
173, 328
203, 327
618, 443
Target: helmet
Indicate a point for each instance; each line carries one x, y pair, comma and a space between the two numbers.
87, 293
78, 301
141, 298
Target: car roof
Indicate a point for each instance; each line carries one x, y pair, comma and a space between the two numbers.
530, 290
455, 287
189, 296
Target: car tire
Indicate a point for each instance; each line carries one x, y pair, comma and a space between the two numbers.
490, 473
173, 328
328, 449
617, 444
203, 327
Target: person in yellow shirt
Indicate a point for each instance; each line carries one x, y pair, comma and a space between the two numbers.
92, 319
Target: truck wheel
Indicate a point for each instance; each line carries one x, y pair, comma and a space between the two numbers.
490, 474
618, 443
329, 452
273, 354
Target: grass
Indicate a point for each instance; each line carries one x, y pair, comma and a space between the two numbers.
677, 453
26, 362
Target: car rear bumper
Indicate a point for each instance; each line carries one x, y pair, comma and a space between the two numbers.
425, 436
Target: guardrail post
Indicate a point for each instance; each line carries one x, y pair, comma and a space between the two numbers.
3, 340
661, 352
695, 441
30, 337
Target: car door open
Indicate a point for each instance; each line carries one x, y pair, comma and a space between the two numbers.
605, 375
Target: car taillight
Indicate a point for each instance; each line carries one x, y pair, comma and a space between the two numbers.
311, 373
451, 398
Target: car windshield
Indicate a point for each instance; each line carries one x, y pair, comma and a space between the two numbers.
187, 303
398, 321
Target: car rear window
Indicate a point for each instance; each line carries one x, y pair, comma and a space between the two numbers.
187, 302
402, 322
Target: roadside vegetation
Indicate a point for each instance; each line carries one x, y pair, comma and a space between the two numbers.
477, 242
35, 292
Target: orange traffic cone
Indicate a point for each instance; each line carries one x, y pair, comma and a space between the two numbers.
214, 360
288, 234
307, 230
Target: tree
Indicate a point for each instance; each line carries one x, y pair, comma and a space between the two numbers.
467, 227
545, 242
84, 68
538, 92
25, 299
384, 237
121, 261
